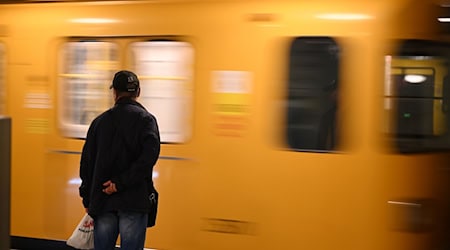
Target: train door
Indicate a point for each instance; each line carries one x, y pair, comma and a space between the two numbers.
84, 71
415, 102
165, 68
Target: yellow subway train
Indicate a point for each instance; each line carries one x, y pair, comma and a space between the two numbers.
285, 124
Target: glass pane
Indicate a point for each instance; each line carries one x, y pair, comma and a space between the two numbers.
165, 72
416, 97
87, 71
313, 86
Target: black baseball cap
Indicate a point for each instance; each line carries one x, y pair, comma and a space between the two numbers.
126, 81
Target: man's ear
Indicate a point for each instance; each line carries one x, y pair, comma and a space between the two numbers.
115, 94
138, 92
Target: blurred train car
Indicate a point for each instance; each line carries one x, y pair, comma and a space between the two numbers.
286, 124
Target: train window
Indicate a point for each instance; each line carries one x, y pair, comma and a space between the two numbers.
165, 70
416, 97
87, 70
2, 81
312, 90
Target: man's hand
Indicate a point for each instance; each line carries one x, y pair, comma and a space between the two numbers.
110, 187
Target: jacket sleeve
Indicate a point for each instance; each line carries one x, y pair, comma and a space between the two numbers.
141, 169
86, 168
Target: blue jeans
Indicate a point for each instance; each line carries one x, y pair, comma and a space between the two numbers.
130, 225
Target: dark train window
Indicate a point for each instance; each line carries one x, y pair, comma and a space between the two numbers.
312, 91
416, 97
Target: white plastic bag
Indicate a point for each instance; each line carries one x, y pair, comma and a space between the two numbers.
83, 235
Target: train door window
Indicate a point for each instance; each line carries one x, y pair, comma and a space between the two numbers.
312, 91
2, 81
416, 97
86, 73
165, 71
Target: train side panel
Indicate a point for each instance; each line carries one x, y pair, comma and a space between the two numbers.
235, 183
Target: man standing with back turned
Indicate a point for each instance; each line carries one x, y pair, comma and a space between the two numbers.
121, 148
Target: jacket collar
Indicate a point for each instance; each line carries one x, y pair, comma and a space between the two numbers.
128, 100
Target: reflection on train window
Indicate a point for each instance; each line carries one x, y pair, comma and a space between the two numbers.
2, 81
313, 86
165, 71
87, 70
416, 97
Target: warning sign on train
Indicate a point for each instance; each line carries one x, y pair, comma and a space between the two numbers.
231, 101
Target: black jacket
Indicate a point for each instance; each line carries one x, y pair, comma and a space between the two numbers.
122, 145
